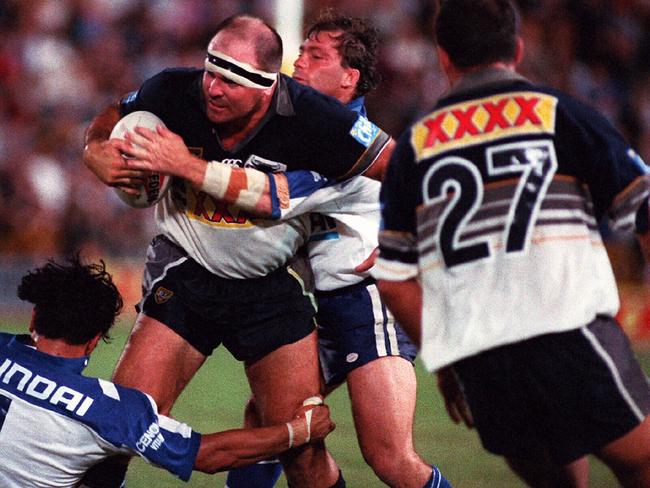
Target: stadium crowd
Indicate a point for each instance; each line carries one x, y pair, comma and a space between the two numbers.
61, 60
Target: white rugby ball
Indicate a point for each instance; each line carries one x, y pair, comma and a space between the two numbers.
155, 184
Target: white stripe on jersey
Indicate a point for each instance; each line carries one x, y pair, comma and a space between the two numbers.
600, 350
109, 389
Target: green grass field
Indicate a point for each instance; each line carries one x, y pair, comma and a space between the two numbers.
215, 398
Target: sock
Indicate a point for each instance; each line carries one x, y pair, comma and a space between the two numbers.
437, 480
261, 475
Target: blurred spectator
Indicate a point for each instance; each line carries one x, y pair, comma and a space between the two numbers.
62, 60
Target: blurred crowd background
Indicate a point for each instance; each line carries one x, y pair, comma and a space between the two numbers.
61, 61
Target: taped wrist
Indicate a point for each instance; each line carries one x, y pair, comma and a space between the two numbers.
242, 187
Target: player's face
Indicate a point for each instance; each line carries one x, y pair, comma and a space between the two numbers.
225, 100
319, 65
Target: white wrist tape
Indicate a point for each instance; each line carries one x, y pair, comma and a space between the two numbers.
315, 400
290, 429
242, 187
217, 179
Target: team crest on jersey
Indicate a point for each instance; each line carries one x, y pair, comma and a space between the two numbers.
162, 295
484, 120
364, 131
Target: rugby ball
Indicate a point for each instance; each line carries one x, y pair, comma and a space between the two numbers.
155, 184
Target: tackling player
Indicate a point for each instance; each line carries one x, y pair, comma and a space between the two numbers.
491, 258
55, 423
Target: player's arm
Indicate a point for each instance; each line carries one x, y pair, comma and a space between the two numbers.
102, 155
234, 448
377, 170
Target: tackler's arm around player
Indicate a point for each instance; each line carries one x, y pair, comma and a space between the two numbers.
234, 448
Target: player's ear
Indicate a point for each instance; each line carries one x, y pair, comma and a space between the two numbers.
92, 344
519, 50
350, 78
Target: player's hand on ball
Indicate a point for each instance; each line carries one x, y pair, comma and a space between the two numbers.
105, 160
455, 403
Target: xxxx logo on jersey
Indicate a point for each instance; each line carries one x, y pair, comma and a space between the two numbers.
204, 208
483, 120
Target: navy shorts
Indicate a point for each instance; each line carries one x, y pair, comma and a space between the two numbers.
568, 393
250, 317
355, 328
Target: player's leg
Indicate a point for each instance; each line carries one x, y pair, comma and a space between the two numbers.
157, 361
629, 456
383, 395
280, 381
263, 474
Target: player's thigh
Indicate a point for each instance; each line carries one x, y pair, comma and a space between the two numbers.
282, 379
158, 361
383, 396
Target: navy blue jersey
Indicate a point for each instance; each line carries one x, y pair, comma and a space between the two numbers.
303, 130
56, 423
493, 200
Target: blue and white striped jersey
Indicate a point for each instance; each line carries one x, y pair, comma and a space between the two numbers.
56, 423
493, 200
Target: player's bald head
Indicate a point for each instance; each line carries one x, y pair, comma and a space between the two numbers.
245, 32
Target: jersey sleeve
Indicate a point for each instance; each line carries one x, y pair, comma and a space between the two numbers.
159, 439
152, 96
335, 141
617, 177
398, 253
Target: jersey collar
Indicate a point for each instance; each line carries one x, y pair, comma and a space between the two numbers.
19, 345
358, 105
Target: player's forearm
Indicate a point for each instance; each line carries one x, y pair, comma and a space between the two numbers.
245, 188
234, 448
404, 300
101, 126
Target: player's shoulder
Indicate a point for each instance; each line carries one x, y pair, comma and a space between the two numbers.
310, 103
5, 338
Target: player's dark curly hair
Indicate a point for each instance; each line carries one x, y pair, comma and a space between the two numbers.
72, 301
477, 32
357, 46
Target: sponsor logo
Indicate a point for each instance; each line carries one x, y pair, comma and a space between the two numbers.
206, 209
151, 439
162, 295
36, 386
264, 165
484, 120
364, 131
352, 357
